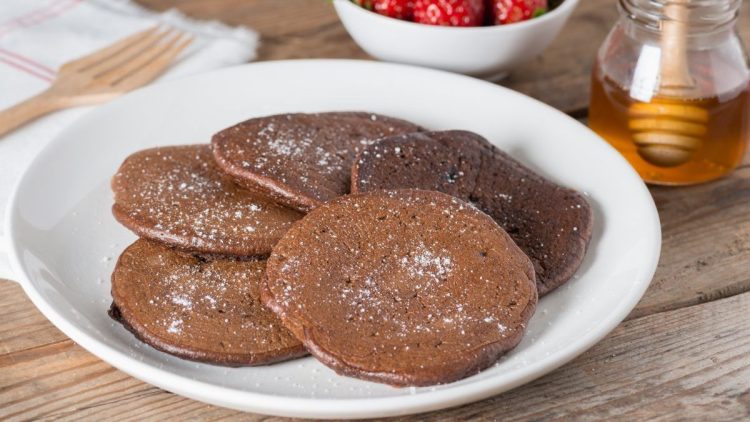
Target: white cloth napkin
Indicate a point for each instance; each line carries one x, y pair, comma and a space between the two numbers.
37, 36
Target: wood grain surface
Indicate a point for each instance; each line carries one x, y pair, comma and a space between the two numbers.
682, 354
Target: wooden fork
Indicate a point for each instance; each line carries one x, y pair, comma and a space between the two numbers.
114, 70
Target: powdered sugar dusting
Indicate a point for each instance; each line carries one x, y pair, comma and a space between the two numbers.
545, 220
423, 262
179, 192
307, 153
182, 300
213, 305
401, 272
175, 326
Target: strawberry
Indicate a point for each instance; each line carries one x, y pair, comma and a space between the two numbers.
399, 9
449, 12
509, 11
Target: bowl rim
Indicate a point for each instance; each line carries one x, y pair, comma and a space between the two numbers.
541, 20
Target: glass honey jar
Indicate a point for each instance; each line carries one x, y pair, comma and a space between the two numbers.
670, 89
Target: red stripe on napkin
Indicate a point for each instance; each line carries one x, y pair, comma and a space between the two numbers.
36, 17
28, 62
17, 19
26, 69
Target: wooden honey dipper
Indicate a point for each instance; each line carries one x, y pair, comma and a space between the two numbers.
668, 130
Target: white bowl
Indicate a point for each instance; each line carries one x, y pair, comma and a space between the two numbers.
488, 52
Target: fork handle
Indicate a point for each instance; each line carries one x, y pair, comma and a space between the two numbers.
13, 117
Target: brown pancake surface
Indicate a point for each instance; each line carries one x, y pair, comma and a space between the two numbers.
550, 223
177, 196
300, 160
208, 311
403, 287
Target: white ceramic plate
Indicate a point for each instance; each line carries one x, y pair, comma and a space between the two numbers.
63, 243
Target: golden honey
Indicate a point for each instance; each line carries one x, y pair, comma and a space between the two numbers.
673, 141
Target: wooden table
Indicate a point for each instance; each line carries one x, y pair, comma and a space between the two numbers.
684, 352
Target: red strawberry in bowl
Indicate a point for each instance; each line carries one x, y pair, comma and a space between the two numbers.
449, 12
509, 11
399, 9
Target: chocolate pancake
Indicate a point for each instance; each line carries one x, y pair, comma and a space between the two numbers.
208, 311
550, 223
403, 287
177, 196
300, 160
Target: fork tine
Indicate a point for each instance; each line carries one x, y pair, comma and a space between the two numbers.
139, 58
142, 58
155, 67
110, 50
129, 53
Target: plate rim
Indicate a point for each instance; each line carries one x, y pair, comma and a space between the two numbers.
272, 404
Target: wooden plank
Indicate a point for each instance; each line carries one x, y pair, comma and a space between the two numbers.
272, 18
290, 29
22, 327
706, 243
690, 362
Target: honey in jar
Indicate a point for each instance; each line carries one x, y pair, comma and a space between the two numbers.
679, 113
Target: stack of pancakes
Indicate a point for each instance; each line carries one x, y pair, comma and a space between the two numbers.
388, 252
